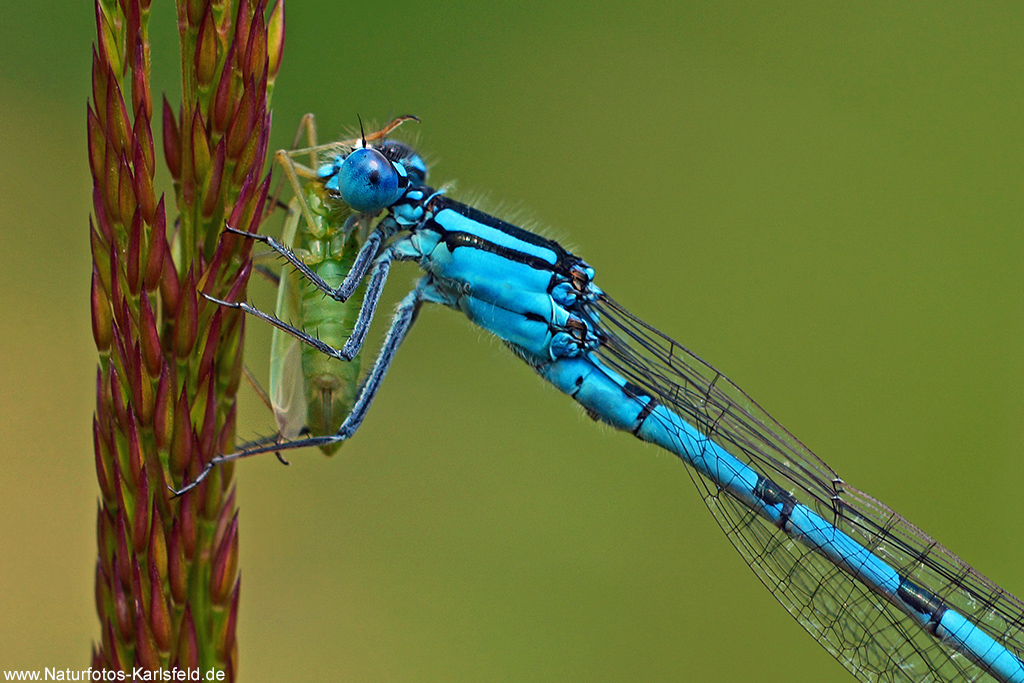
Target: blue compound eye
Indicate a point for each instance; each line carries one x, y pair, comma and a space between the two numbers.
369, 182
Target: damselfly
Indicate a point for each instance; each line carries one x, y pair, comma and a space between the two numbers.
884, 598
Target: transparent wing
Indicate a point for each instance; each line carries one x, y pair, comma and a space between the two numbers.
287, 383
870, 636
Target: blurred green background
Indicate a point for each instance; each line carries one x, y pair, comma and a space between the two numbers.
824, 202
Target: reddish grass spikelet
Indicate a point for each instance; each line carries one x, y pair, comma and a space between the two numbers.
225, 564
172, 141
206, 50
102, 317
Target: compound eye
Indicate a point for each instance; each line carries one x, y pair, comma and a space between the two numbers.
368, 181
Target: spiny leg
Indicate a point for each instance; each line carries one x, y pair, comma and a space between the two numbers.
245, 307
405, 316
374, 289
363, 262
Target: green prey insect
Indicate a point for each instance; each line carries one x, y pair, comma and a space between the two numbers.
310, 393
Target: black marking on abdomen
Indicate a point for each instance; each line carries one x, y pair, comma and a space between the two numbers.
564, 263
922, 602
441, 203
455, 239
637, 392
579, 385
772, 494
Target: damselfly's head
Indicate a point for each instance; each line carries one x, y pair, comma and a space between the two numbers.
374, 177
